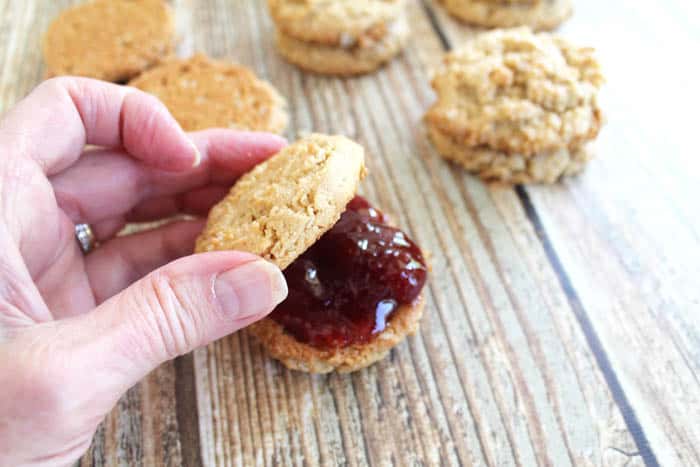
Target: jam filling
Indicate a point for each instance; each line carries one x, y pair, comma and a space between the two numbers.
344, 289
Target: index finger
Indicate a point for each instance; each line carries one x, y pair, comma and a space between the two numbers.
54, 123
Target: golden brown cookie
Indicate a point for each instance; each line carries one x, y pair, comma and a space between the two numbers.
339, 37
537, 14
332, 22
280, 208
204, 93
112, 40
514, 100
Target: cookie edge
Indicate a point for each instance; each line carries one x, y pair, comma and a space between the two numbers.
299, 356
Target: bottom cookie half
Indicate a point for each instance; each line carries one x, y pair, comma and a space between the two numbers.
491, 165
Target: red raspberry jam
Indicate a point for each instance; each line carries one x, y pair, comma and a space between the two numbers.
344, 288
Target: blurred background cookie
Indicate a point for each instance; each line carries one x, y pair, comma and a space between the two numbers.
538, 14
354, 280
517, 107
339, 37
204, 93
112, 40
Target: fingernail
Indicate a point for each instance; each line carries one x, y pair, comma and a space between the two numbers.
252, 289
197, 155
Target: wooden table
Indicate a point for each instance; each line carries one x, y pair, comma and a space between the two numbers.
563, 322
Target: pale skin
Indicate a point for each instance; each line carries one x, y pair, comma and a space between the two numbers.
76, 331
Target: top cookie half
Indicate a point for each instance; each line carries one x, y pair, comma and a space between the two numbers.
284, 205
538, 14
335, 22
112, 40
514, 91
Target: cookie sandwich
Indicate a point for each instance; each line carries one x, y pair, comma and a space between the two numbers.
517, 107
355, 280
339, 37
111, 40
537, 14
203, 93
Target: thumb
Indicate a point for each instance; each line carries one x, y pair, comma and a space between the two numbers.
180, 307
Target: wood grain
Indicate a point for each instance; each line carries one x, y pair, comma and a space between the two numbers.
628, 250
563, 323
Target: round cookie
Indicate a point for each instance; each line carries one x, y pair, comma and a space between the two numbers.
537, 14
352, 59
332, 22
203, 93
514, 100
111, 40
296, 355
284, 205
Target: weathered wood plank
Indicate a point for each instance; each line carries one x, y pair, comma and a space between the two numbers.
631, 253
494, 389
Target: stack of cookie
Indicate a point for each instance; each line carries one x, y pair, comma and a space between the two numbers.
538, 14
517, 107
339, 37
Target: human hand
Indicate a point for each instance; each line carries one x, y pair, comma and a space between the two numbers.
76, 331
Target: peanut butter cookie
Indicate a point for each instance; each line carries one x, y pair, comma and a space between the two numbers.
112, 40
517, 107
537, 14
203, 93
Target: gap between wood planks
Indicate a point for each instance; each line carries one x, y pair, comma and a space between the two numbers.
186, 410
594, 344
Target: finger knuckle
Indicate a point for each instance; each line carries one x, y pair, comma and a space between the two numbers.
175, 324
57, 84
